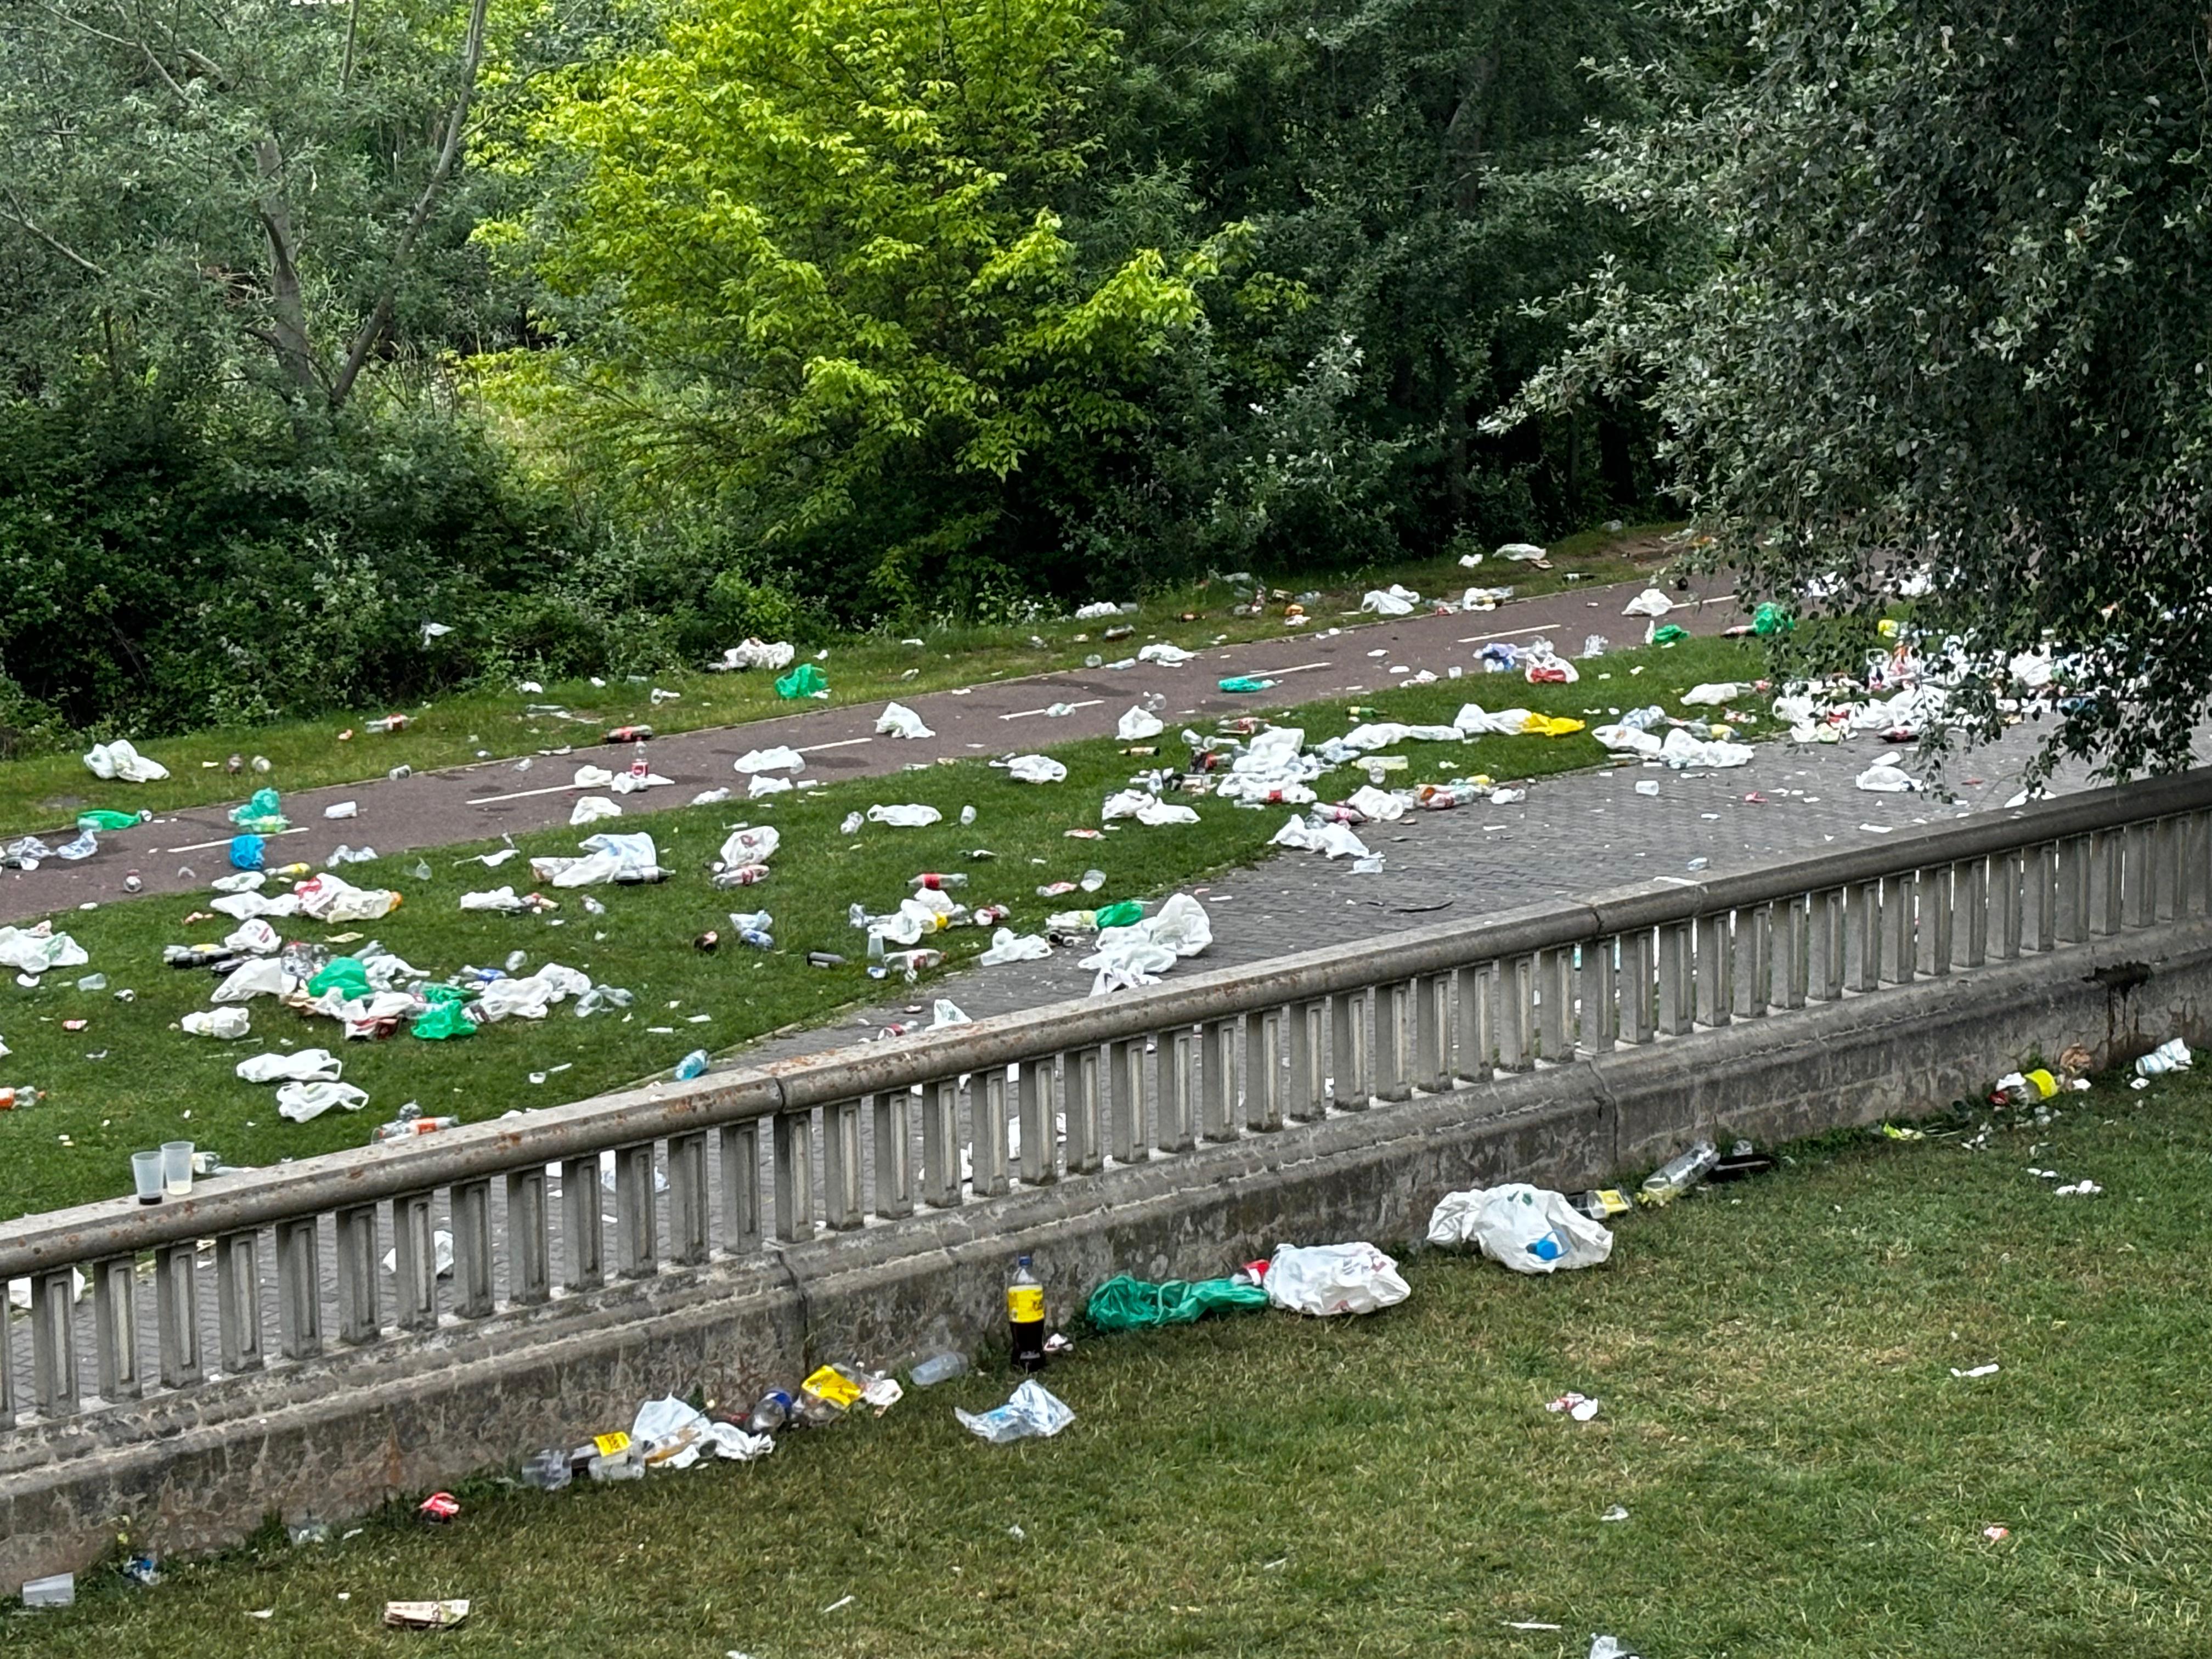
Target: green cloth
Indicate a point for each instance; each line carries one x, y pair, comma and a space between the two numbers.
444, 1018
98, 817
1669, 633
1127, 913
1123, 1303
803, 681
344, 972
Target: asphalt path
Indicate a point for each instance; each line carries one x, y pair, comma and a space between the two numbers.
1332, 657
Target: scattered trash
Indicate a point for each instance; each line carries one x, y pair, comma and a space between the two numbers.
1679, 1174
119, 762
1137, 724
1036, 769
2172, 1055
425, 1615
1649, 603
1395, 600
911, 816
1124, 1304
803, 681
1610, 1647
1031, 1411
1615, 1513
897, 720
1990, 1369
1580, 1407
937, 1368
1527, 1228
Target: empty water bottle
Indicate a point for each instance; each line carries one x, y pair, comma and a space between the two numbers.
939, 1368
769, 1412
1679, 1174
692, 1065
877, 965
547, 1470
759, 939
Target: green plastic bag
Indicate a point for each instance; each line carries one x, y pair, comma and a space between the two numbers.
344, 972
98, 817
1244, 682
264, 814
1127, 913
1669, 633
1123, 1303
1771, 618
803, 681
445, 1016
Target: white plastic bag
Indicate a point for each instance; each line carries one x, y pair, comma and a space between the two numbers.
1031, 1412
908, 817
1713, 693
265, 978
255, 938
1036, 769
1334, 1278
781, 758
228, 1023
119, 762
1137, 725
1528, 1229
752, 844
35, 950
1162, 652
1395, 600
1888, 776
301, 1100
307, 1066
1335, 841
1006, 946
590, 809
1649, 603
762, 784
897, 720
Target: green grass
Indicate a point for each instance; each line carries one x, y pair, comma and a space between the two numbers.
154, 1084
1803, 1476
43, 791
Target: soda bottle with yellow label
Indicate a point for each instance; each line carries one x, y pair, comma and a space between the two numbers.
1025, 1316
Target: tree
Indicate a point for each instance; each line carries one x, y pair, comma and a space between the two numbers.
804, 266
1957, 317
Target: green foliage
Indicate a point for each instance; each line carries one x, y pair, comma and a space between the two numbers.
1957, 319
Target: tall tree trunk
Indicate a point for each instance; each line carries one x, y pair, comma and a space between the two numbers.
288, 327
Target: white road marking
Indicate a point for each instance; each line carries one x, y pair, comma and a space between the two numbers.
841, 742
524, 795
1093, 703
202, 846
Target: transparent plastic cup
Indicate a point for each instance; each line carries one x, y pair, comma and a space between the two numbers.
146, 1174
177, 1168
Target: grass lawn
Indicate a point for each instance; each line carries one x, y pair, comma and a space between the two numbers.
1802, 1472
44, 791
130, 1080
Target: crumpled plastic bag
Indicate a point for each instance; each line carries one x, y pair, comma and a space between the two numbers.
301, 1100
1162, 652
529, 998
244, 907
1036, 769
762, 784
307, 1066
1522, 552
606, 858
908, 817
1714, 693
1333, 841
1649, 603
1474, 721
35, 950
897, 720
757, 653
1031, 1412
327, 897
1528, 1229
244, 881
781, 758
628, 783
228, 1023
1888, 776
1140, 953
1139, 724
441, 1255
803, 681
1007, 945
752, 844
265, 978
590, 809
505, 900
119, 762
670, 1435
1682, 750
446, 1017
1334, 1278
256, 938
1395, 600
1379, 805
1146, 807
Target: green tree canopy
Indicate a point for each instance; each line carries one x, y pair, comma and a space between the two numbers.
1956, 317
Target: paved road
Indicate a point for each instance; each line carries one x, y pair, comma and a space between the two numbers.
472, 803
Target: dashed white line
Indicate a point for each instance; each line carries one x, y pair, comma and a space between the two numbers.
841, 742
523, 794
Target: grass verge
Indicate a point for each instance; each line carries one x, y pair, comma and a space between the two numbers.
39, 794
130, 1080
1803, 1474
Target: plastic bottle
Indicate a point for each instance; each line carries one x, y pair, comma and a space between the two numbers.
14, 1095
937, 882
769, 1412
759, 938
1679, 1174
990, 916
401, 1128
742, 920
547, 1470
629, 734
692, 1065
939, 1368
1025, 1316
1092, 880
741, 875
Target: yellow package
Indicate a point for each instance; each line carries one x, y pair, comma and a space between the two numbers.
830, 1385
1549, 725
2046, 1084
611, 1445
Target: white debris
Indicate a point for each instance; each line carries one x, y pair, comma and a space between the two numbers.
897, 720
1137, 725
1332, 840
1036, 769
755, 653
911, 816
1395, 600
781, 758
590, 809
119, 762
1649, 603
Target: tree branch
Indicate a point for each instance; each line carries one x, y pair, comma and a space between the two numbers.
14, 214
289, 333
380, 317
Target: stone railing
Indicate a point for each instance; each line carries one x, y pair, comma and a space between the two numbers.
278, 1266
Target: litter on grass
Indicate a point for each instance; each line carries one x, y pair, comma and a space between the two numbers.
1031, 1412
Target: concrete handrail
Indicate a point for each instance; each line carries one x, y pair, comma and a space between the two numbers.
39, 1243
720, 1165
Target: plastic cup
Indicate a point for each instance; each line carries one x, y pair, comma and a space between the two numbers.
146, 1171
177, 1168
